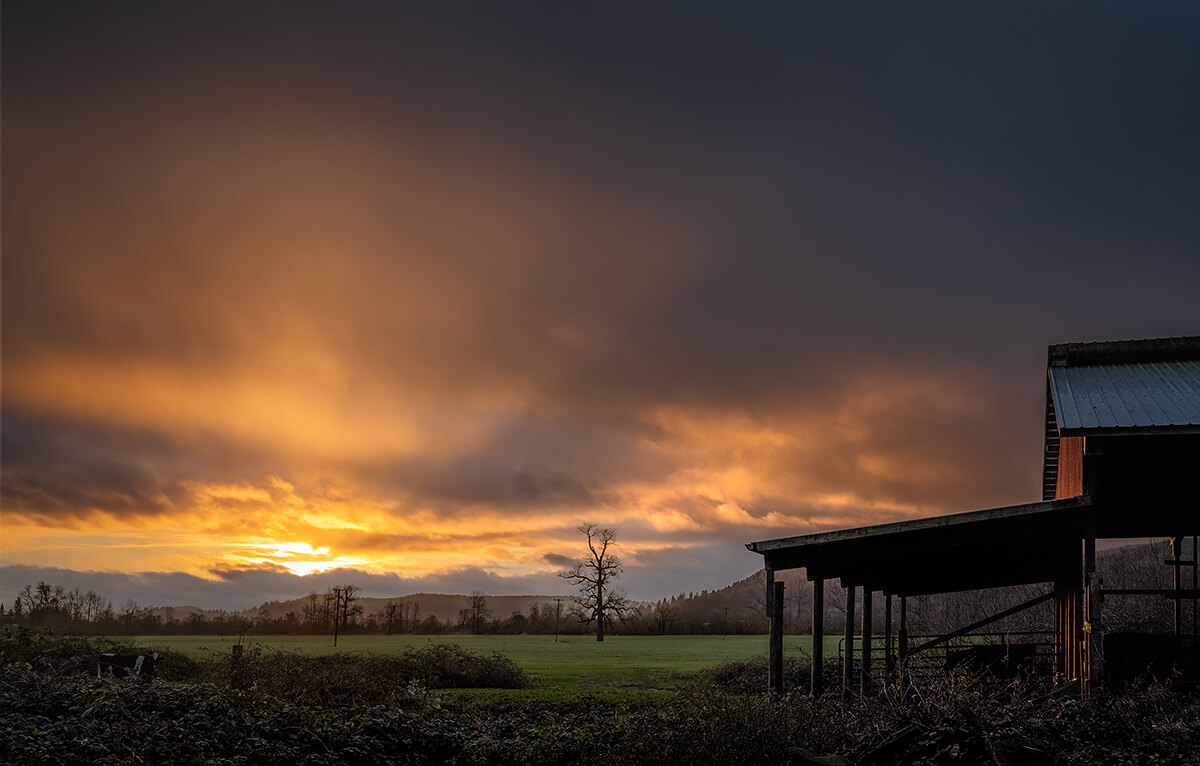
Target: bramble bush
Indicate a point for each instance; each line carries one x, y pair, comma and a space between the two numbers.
282, 708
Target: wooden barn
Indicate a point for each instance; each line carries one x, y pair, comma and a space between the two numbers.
1122, 452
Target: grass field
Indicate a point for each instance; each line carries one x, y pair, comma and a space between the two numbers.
574, 661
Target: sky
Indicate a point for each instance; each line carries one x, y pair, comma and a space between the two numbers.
400, 294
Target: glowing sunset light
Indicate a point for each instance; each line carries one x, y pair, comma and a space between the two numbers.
307, 566
292, 549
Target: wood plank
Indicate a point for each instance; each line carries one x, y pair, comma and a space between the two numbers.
848, 643
776, 654
864, 684
818, 636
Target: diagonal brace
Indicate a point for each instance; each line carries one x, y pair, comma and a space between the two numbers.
985, 621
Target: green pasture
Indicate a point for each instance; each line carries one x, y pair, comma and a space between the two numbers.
572, 661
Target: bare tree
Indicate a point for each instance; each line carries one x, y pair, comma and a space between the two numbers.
664, 615
392, 616
410, 615
477, 611
316, 611
129, 613
597, 602
95, 606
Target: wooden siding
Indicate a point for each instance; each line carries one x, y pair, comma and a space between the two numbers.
1070, 467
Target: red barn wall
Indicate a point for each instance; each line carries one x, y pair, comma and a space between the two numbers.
1070, 467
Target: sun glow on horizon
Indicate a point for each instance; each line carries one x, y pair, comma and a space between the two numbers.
299, 558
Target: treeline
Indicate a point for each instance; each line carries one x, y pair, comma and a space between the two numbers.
53, 607
339, 610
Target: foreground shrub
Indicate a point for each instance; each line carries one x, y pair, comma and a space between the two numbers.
52, 653
81, 720
335, 679
750, 676
351, 709
359, 679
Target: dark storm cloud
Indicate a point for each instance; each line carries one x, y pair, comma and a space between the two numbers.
61, 470
528, 461
64, 469
873, 185
579, 253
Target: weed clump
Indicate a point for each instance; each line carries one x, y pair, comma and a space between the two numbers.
750, 676
286, 707
348, 679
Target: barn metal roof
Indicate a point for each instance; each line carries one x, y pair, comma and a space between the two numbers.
1116, 388
1111, 398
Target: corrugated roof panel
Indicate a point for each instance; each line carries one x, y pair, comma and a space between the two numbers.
1106, 397
1065, 405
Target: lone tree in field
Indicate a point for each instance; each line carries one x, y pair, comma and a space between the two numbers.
477, 611
597, 601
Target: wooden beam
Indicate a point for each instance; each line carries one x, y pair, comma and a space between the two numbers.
848, 643
889, 665
1014, 513
818, 636
776, 656
1176, 552
1093, 638
864, 684
1177, 595
1060, 629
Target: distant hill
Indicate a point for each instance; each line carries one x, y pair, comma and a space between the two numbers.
705, 611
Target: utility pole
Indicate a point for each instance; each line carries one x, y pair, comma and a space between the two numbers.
557, 614
337, 609
725, 624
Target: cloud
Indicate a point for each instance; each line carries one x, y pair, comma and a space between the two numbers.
70, 469
423, 302
559, 560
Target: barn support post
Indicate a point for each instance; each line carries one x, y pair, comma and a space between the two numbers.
775, 639
1062, 637
1195, 586
1176, 552
864, 681
1069, 620
902, 638
818, 635
1093, 635
848, 642
889, 665
1077, 655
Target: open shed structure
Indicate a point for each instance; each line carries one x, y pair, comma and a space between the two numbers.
1122, 449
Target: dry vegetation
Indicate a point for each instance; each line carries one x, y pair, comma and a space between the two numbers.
287, 708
